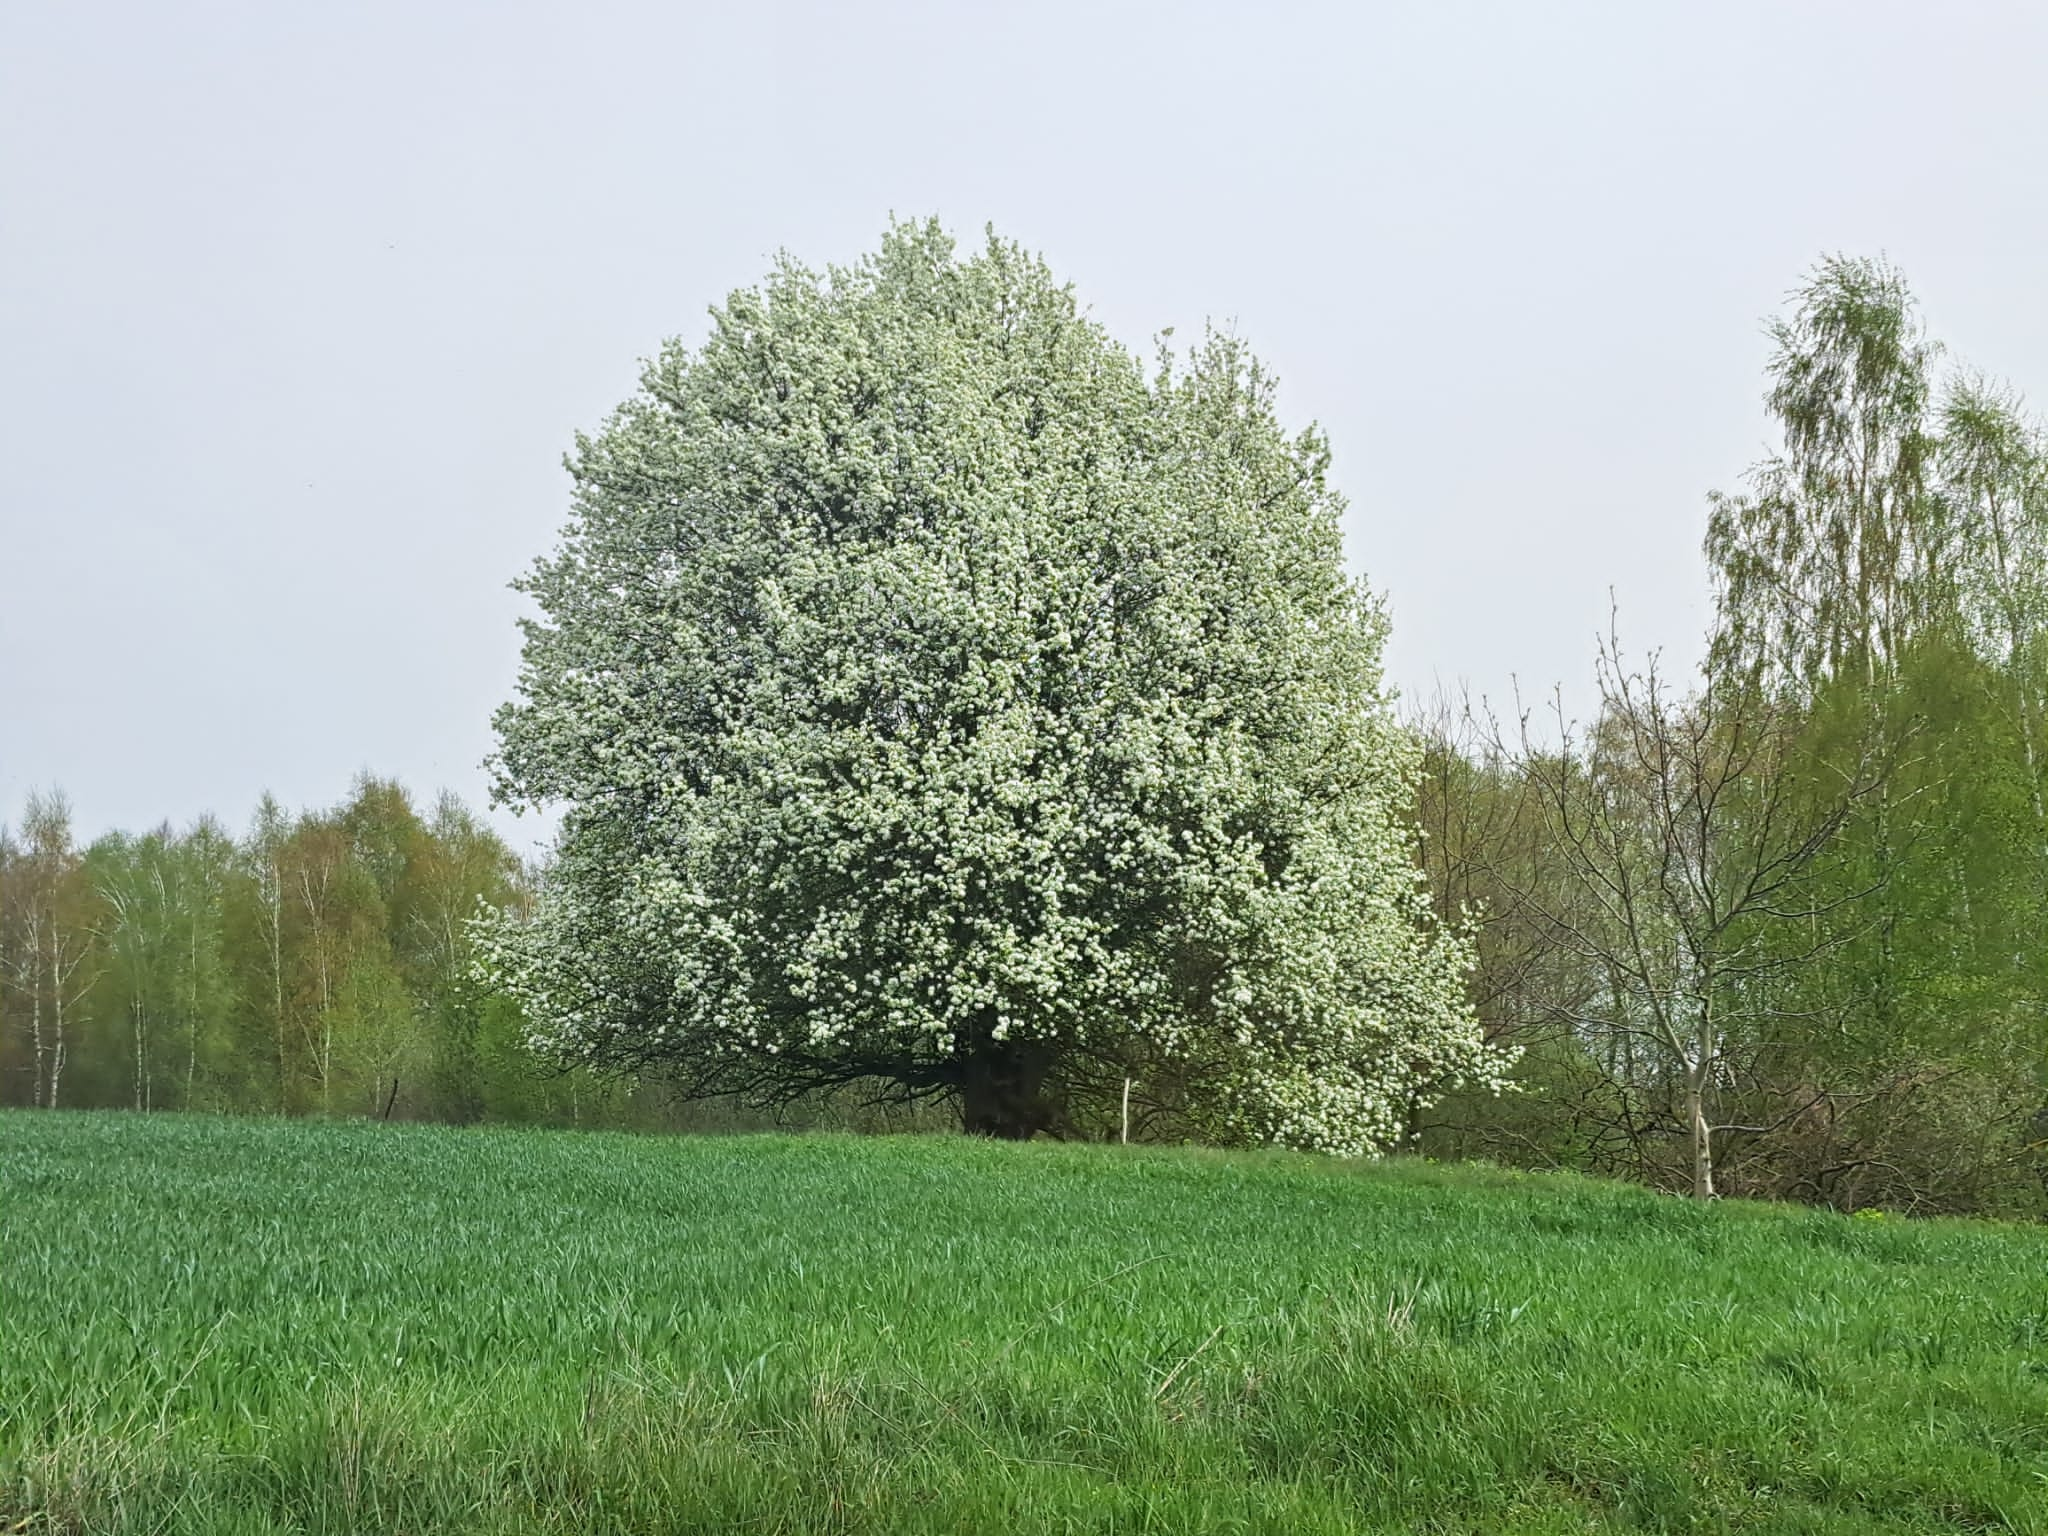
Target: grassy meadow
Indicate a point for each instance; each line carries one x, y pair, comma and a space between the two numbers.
269, 1326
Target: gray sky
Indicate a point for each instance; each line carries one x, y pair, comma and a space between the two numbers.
300, 305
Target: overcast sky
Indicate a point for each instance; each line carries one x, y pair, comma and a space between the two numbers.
301, 304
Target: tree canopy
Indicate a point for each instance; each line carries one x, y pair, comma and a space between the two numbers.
939, 699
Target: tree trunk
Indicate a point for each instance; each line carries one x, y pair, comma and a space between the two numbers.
1003, 1091
56, 1063
273, 899
60, 978
1702, 1136
1699, 1081
192, 1013
316, 920
141, 1068
35, 1000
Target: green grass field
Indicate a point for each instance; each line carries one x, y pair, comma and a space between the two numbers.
217, 1325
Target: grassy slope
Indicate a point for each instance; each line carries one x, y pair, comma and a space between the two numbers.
268, 1326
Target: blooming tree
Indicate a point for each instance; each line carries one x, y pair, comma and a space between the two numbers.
938, 699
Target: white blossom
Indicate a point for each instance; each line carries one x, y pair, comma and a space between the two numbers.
919, 675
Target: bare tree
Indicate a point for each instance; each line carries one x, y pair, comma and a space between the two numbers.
1682, 826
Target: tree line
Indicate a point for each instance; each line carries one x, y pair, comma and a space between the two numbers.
1783, 929
319, 963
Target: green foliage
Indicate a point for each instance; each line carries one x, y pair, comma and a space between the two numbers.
1905, 526
1910, 1038
1840, 553
936, 699
319, 965
515, 1331
1880, 1026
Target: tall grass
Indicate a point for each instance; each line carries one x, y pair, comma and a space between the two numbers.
212, 1325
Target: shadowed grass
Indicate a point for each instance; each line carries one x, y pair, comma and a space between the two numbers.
238, 1326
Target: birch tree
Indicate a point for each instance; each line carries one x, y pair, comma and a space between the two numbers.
263, 855
1994, 464
1840, 553
201, 864
22, 925
61, 935
74, 968
315, 873
133, 889
47, 953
